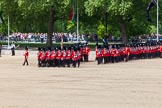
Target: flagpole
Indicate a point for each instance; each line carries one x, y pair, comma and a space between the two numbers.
157, 20
8, 32
77, 22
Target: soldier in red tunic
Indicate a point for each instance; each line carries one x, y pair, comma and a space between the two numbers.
160, 50
127, 52
53, 57
26, 54
105, 54
150, 51
63, 57
86, 51
99, 54
39, 54
68, 56
58, 57
0, 49
79, 56
74, 57
43, 57
113, 53
48, 53
117, 55
81, 52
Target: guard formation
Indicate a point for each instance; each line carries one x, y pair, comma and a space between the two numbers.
63, 56
134, 51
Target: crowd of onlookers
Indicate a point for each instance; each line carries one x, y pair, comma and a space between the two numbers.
72, 37
145, 38
42, 37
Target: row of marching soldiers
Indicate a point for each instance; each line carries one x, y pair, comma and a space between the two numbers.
118, 53
63, 56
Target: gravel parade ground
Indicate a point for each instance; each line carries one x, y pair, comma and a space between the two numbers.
133, 84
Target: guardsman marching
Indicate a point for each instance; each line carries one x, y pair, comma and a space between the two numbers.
43, 57
86, 53
68, 56
39, 55
58, 57
99, 54
81, 52
63, 56
126, 52
122, 52
74, 57
160, 50
47, 54
0, 49
53, 57
145, 51
79, 56
105, 54
150, 51
26, 54
117, 55
113, 53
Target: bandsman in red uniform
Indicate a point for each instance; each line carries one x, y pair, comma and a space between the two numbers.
26, 54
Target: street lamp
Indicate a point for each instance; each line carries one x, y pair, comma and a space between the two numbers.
157, 20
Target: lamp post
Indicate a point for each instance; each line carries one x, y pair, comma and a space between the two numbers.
106, 16
77, 22
157, 20
8, 32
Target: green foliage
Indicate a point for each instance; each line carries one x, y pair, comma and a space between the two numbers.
70, 26
101, 30
153, 29
33, 16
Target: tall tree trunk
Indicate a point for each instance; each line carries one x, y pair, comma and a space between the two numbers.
50, 27
123, 32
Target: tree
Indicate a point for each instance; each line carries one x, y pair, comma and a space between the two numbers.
126, 16
55, 9
129, 16
31, 14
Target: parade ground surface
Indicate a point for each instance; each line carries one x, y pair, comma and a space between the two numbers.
133, 84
